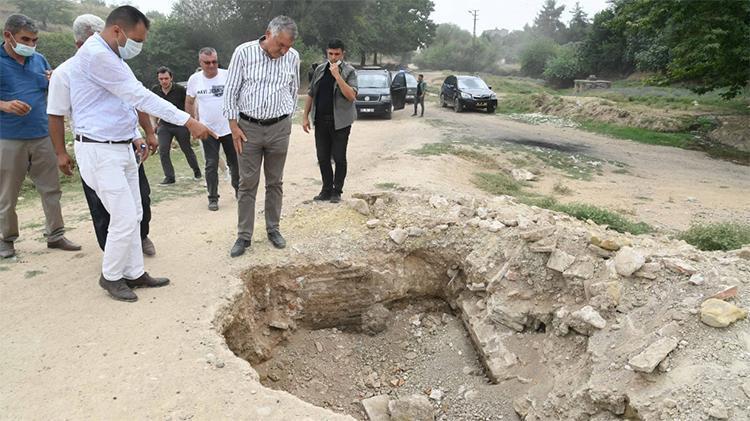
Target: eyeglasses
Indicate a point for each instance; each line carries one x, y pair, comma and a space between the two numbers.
210, 62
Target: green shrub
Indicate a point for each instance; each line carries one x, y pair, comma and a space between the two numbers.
717, 236
535, 56
561, 70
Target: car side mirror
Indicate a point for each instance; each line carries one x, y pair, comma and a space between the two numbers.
489, 87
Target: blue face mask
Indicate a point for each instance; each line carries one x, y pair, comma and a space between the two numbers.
23, 49
131, 48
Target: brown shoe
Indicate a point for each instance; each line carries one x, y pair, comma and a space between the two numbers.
118, 290
146, 281
63, 244
148, 247
7, 249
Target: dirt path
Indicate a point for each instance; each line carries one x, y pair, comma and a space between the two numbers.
70, 352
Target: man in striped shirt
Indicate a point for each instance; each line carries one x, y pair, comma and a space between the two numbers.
260, 97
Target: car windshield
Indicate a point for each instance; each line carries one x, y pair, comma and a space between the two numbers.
372, 80
471, 83
411, 81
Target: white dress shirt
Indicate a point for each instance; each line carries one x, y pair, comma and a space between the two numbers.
259, 86
105, 94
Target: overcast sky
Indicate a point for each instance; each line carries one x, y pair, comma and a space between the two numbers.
508, 14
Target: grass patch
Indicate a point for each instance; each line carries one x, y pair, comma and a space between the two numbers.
503, 184
498, 184
717, 236
434, 149
32, 273
679, 140
386, 186
562, 189
515, 104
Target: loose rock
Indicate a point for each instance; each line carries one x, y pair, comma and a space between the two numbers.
718, 313
647, 360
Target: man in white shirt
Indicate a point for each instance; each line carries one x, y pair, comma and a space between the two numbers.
206, 90
259, 99
104, 96
58, 107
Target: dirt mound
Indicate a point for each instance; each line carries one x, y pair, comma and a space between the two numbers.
570, 320
589, 108
733, 131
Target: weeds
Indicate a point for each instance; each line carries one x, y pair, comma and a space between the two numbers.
717, 236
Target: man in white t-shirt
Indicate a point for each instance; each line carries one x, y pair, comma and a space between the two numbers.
205, 97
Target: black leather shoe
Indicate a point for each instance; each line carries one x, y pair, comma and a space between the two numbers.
323, 196
167, 181
7, 249
118, 290
63, 244
335, 197
239, 247
276, 239
146, 281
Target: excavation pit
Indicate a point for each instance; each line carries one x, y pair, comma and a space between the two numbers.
336, 334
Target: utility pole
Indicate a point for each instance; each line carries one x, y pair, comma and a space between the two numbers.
474, 13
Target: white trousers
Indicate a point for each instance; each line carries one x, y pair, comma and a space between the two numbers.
112, 172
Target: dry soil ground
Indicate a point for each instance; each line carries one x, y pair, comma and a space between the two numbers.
70, 352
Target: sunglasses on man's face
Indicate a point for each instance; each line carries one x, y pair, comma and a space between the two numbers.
210, 62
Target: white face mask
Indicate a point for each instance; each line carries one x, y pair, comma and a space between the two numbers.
23, 49
131, 49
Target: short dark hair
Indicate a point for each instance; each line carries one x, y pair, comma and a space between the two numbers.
164, 69
335, 44
127, 17
18, 22
421, 75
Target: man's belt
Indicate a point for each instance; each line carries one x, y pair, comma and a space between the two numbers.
84, 139
266, 122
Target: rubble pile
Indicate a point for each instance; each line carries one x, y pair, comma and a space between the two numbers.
577, 321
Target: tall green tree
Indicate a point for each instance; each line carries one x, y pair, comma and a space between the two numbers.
46, 11
547, 22
578, 26
705, 45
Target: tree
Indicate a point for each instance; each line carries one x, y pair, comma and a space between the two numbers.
547, 23
56, 47
578, 26
536, 55
603, 50
46, 11
703, 44
448, 50
560, 71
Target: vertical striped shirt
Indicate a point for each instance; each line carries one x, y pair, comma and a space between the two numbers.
259, 86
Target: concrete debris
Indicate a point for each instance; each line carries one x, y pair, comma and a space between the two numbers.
590, 316
359, 205
654, 354
628, 260
728, 292
718, 313
411, 408
520, 174
399, 235
376, 408
560, 260
680, 266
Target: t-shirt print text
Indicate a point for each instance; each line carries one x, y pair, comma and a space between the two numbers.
216, 90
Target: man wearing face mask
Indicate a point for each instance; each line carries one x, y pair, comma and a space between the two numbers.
25, 147
259, 99
58, 107
331, 96
104, 97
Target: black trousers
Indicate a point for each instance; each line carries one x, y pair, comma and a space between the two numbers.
331, 143
100, 216
417, 101
211, 147
165, 134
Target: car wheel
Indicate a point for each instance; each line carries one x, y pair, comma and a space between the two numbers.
490, 110
442, 101
457, 105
